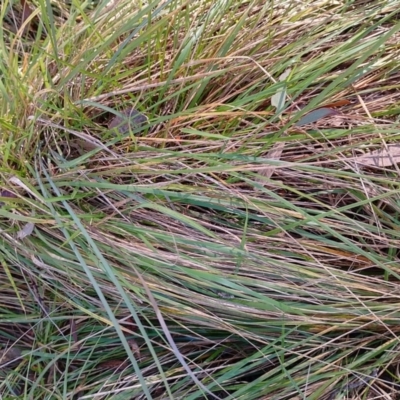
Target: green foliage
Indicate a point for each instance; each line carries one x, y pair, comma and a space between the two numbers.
224, 247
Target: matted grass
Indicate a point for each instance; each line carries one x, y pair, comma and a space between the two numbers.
216, 250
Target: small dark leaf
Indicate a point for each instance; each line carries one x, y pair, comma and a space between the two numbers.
7, 193
9, 356
26, 11
26, 230
316, 115
131, 119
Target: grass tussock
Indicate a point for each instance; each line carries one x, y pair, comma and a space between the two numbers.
216, 247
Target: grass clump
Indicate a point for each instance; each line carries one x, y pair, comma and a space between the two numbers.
167, 231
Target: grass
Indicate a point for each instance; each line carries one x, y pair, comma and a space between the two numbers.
221, 249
